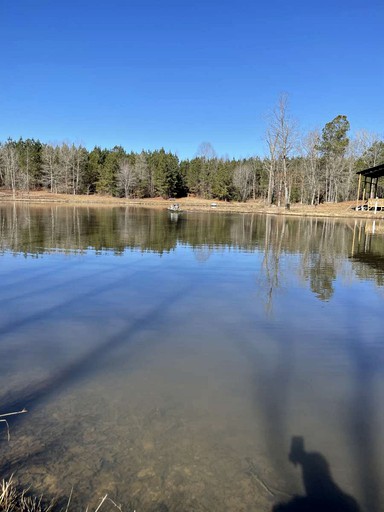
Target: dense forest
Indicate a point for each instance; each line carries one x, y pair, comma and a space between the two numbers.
309, 168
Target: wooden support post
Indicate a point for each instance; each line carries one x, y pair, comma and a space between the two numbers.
358, 192
375, 187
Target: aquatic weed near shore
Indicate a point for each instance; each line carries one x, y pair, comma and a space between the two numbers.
12, 499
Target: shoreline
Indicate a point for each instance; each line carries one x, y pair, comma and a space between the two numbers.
333, 210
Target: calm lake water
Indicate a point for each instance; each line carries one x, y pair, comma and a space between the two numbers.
175, 361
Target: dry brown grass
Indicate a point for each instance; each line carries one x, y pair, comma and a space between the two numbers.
14, 500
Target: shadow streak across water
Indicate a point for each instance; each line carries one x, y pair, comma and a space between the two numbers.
363, 413
32, 396
17, 324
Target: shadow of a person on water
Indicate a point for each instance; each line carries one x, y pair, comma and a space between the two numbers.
322, 493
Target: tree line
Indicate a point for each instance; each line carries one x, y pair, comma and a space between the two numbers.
309, 168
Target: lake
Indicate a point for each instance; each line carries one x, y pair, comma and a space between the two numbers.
193, 361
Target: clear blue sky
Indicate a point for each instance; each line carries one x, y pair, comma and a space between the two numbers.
166, 73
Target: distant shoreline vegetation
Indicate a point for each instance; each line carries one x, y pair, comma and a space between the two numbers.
310, 169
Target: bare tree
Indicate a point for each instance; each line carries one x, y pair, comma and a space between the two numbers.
64, 167
24, 170
311, 165
370, 147
79, 158
281, 139
271, 162
2, 169
347, 187
243, 180
127, 177
50, 161
9, 166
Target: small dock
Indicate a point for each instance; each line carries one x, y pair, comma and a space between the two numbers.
375, 204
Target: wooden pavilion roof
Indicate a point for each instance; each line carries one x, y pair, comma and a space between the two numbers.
373, 172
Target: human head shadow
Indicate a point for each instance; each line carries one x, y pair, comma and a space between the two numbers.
322, 493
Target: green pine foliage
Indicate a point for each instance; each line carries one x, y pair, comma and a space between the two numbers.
106, 179
334, 137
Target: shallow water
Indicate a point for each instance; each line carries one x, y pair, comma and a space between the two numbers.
168, 360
